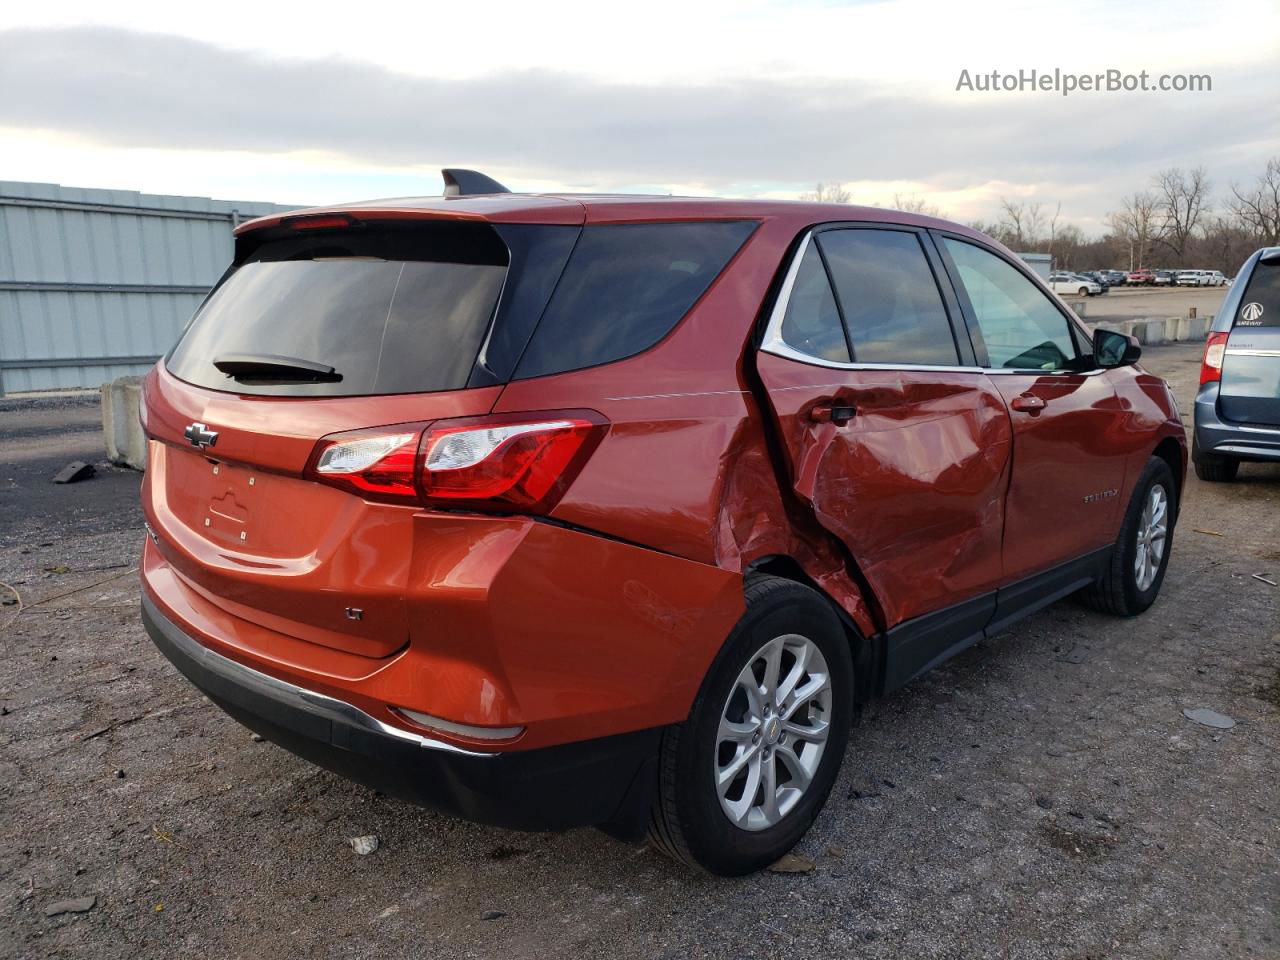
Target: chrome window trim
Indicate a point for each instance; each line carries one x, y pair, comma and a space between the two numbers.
773, 343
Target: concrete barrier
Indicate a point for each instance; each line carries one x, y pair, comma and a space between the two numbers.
1196, 328
1154, 331
1184, 329
1135, 328
126, 443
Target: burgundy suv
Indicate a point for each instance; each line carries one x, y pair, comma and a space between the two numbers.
551, 511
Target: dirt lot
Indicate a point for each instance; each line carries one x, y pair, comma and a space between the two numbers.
1040, 796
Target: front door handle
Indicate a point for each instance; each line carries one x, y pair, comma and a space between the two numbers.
839, 414
1027, 403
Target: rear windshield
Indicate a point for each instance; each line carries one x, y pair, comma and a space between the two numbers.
389, 313
412, 310
1260, 305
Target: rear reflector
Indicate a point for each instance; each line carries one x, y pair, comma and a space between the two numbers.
460, 729
511, 463
1214, 352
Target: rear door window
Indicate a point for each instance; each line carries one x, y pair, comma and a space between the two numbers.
625, 287
889, 298
812, 321
1260, 304
403, 314
1018, 324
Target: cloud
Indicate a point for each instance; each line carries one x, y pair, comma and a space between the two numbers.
122, 88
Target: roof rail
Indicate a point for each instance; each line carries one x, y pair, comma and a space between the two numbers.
469, 183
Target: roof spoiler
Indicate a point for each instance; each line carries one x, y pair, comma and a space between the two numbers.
469, 183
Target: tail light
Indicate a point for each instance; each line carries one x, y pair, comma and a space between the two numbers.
1214, 351
380, 464
516, 463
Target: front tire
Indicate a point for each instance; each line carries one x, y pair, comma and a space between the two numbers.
1083, 291
1131, 580
742, 779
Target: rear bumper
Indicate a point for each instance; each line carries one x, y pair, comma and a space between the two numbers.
607, 780
1243, 441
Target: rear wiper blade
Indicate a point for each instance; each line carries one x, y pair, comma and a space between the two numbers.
270, 368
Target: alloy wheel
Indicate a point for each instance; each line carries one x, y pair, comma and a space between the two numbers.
1153, 531
772, 733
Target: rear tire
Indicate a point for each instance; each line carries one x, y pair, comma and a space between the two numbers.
1132, 577
713, 808
1213, 468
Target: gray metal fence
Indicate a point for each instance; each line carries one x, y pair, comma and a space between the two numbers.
96, 284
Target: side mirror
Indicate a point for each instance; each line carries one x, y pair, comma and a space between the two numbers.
1111, 349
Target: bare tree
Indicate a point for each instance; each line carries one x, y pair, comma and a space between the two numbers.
1067, 240
1023, 223
993, 229
1258, 209
1053, 226
828, 193
1224, 243
1183, 199
1136, 224
913, 203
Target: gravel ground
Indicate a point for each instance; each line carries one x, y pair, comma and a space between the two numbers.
1042, 795
1133, 303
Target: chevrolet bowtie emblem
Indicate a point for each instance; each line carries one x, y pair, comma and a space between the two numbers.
200, 436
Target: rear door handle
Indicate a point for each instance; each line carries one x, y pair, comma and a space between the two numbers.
839, 414
1027, 403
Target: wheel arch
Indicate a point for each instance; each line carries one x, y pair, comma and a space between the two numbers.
1171, 452
867, 651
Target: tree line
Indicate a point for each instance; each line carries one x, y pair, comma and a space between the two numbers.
1175, 222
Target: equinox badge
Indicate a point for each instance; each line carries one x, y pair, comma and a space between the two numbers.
200, 436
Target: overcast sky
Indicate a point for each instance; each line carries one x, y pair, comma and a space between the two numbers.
293, 104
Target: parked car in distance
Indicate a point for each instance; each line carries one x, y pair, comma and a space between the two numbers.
1201, 278
1141, 278
1117, 278
1073, 283
1099, 278
1237, 410
1165, 278
552, 511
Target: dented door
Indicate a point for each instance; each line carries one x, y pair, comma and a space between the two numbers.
913, 483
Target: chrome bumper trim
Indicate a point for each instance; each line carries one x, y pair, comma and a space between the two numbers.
288, 694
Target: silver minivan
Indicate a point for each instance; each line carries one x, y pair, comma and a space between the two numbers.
1237, 412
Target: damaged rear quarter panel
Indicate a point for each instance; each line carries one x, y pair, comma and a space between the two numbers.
685, 467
